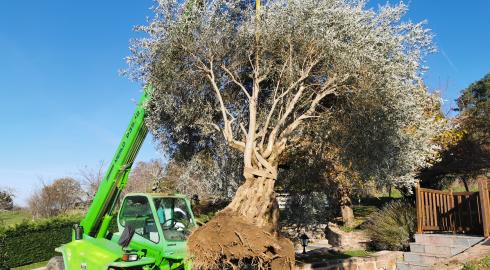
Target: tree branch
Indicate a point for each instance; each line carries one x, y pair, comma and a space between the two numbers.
327, 89
233, 78
289, 108
304, 75
227, 130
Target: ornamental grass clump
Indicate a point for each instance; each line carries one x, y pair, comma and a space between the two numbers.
392, 227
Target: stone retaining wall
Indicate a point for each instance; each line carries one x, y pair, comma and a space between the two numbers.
383, 260
314, 232
346, 240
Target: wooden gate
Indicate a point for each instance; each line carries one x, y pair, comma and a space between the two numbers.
457, 212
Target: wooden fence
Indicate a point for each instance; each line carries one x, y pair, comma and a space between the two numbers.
457, 212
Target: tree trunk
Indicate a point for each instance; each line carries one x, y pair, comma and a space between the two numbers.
345, 202
256, 201
347, 215
241, 234
465, 182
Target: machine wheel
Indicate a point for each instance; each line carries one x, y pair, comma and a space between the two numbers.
56, 263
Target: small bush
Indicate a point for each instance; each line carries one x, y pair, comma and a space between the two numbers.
392, 227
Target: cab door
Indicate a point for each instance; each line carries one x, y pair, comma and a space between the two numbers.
137, 211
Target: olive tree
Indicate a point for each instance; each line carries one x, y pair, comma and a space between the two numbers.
259, 81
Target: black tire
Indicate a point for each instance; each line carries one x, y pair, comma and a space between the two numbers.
56, 263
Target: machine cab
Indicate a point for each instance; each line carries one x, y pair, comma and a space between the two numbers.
162, 223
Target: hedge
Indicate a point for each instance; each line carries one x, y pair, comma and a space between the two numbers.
34, 241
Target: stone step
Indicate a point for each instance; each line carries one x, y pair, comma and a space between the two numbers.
440, 250
447, 239
421, 258
410, 266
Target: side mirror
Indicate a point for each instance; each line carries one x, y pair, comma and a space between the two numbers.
195, 199
126, 236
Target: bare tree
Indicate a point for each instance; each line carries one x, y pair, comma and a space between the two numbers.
147, 177
59, 197
260, 81
90, 179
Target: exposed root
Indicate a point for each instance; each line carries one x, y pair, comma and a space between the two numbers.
228, 241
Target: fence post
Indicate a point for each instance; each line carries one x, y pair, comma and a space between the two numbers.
484, 204
418, 206
452, 216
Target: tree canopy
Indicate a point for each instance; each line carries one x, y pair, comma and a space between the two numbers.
207, 66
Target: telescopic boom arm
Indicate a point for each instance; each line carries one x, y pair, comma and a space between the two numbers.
100, 213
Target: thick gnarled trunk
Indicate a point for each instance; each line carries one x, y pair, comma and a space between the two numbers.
245, 232
256, 201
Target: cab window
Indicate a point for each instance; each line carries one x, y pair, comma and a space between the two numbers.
174, 217
136, 211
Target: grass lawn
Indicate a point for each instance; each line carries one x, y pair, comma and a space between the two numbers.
482, 264
31, 266
461, 188
9, 218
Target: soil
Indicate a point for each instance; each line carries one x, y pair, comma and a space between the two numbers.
229, 241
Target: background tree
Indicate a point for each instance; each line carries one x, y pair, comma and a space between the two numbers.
148, 176
6, 199
474, 108
90, 179
59, 197
261, 85
466, 145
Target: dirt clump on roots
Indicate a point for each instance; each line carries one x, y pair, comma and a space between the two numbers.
228, 241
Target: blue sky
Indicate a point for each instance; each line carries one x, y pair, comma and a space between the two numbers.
63, 104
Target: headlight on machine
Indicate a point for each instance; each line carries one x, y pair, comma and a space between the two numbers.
128, 257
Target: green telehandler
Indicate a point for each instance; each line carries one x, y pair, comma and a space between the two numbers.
152, 228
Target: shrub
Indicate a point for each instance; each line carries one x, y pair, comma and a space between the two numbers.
393, 226
478, 265
31, 242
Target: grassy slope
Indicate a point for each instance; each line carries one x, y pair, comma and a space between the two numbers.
367, 206
14, 217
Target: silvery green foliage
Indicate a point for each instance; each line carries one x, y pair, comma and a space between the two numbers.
209, 175
387, 136
221, 76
